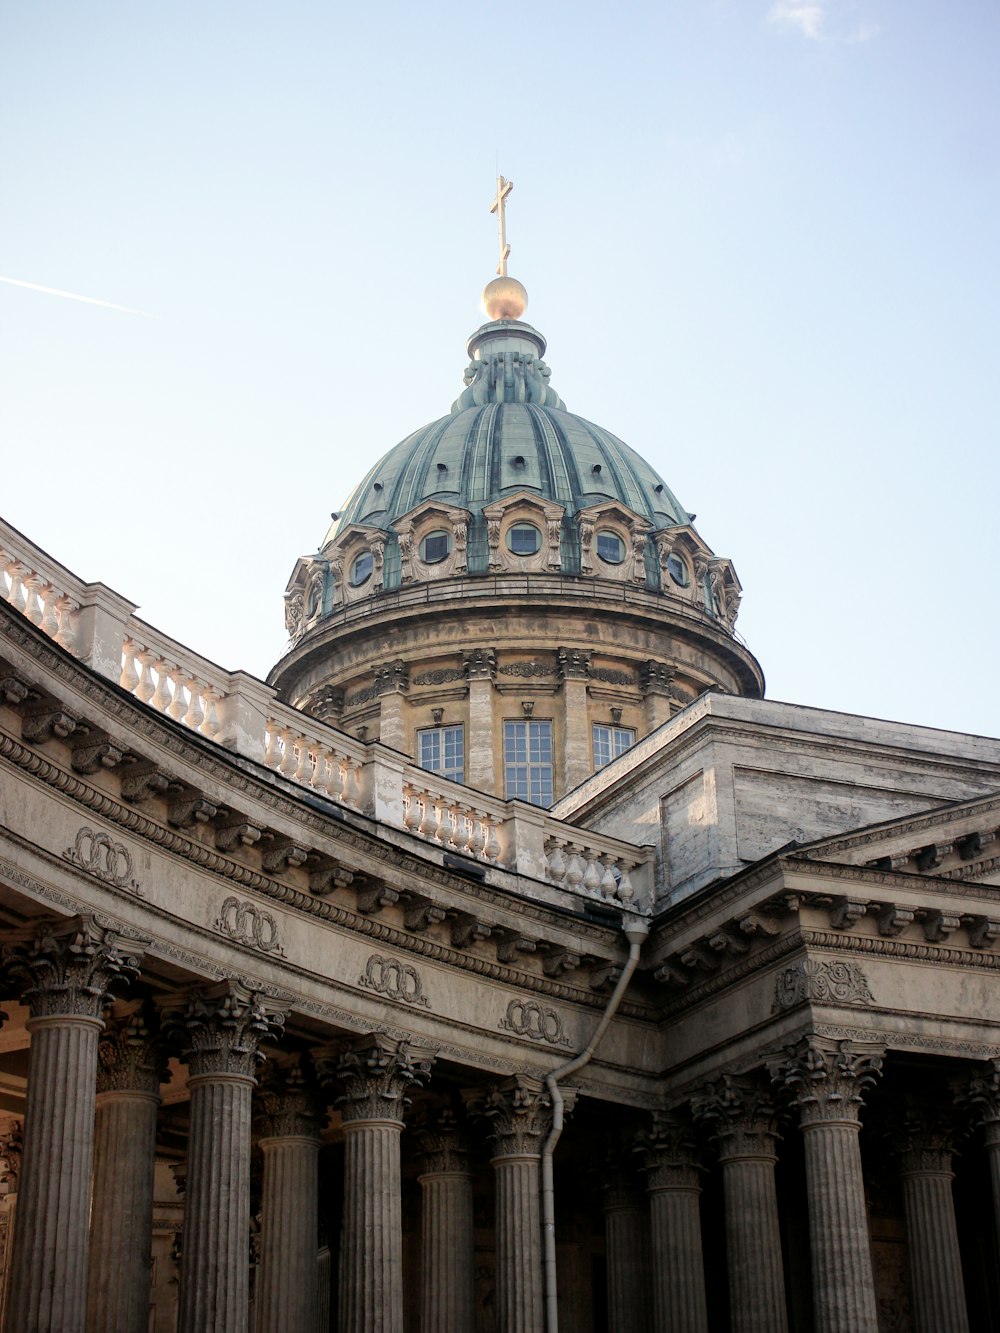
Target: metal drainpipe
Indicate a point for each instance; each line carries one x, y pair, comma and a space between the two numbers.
635, 930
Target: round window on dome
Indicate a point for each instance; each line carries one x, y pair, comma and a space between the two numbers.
523, 539
435, 547
678, 570
610, 547
362, 569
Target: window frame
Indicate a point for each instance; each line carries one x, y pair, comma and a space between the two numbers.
451, 773
526, 776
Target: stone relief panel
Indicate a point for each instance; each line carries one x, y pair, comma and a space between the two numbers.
248, 924
821, 981
394, 979
99, 855
528, 1018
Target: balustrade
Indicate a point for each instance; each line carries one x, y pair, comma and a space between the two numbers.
451, 820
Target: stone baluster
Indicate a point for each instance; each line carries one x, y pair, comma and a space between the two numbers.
674, 1186
131, 1066
741, 1116
65, 969
827, 1080
287, 1119
924, 1139
372, 1076
519, 1113
220, 1027
626, 1238
447, 1296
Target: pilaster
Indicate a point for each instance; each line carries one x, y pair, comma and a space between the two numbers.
66, 969
574, 672
826, 1081
480, 665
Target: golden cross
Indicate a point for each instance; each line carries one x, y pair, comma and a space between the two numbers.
503, 190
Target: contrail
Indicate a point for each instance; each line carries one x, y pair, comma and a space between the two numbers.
74, 296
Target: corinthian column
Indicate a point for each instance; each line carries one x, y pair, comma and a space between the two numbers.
221, 1026
925, 1137
518, 1112
288, 1118
674, 1185
447, 1298
827, 1080
626, 1243
131, 1067
66, 968
981, 1095
373, 1074
741, 1116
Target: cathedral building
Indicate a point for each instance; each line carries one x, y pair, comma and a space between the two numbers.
505, 962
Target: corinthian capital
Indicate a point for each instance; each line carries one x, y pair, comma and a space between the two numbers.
518, 1111
373, 1075
132, 1055
670, 1151
67, 966
442, 1139
827, 1080
287, 1102
740, 1114
220, 1027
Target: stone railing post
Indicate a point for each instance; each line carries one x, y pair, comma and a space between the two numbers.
101, 629
65, 969
519, 1114
447, 1241
387, 771
924, 1138
527, 824
826, 1080
288, 1119
132, 1064
741, 1115
244, 715
673, 1166
220, 1027
372, 1076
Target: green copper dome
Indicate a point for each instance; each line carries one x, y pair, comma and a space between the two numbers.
508, 432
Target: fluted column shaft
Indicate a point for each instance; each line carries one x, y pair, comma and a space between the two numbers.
678, 1265
991, 1138
215, 1275
287, 1278
753, 1239
48, 1288
121, 1235
843, 1280
447, 1304
371, 1255
935, 1264
66, 968
520, 1305
625, 1241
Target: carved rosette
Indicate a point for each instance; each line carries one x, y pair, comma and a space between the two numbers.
374, 1075
220, 1028
740, 1114
442, 1140
671, 1155
67, 966
827, 1080
518, 1111
287, 1102
132, 1054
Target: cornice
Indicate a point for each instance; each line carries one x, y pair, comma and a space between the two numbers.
217, 864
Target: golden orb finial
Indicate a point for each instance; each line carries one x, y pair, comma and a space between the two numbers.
505, 298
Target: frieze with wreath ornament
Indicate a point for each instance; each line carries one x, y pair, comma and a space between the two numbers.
441, 676
525, 669
248, 924
610, 676
109, 861
527, 1018
821, 981
394, 979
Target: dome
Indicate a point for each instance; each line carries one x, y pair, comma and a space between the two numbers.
508, 431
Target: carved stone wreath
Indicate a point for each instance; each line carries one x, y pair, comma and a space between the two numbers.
99, 855
394, 979
527, 1018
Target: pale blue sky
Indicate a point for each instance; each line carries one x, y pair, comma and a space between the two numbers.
760, 238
